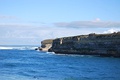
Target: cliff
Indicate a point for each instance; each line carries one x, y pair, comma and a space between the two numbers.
45, 45
92, 44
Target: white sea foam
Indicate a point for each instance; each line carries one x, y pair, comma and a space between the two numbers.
50, 52
17, 47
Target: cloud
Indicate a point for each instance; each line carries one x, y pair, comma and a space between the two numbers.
29, 33
8, 17
15, 24
111, 31
87, 24
26, 31
97, 20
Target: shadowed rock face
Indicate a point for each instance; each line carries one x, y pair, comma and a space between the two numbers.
92, 44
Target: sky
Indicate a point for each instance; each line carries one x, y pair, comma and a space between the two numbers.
28, 22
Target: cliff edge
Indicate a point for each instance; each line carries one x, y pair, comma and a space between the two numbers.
45, 45
92, 44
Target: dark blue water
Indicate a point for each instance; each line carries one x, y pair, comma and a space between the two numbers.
35, 65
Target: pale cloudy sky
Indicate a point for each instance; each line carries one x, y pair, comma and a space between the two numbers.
30, 21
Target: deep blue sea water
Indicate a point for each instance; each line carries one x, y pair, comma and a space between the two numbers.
24, 63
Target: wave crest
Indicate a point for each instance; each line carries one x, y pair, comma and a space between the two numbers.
17, 47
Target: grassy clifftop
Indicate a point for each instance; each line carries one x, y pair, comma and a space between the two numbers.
48, 41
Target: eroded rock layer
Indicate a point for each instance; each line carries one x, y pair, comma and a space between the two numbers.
45, 45
92, 44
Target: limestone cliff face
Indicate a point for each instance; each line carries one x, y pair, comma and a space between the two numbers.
92, 44
46, 44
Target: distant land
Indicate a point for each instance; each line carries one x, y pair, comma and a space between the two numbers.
91, 44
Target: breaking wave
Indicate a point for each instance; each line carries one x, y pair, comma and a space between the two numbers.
18, 47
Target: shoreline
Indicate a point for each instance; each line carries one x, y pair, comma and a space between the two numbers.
92, 44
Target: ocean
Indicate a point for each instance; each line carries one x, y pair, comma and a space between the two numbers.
24, 63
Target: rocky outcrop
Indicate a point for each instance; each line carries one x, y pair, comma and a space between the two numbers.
92, 44
45, 45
